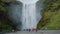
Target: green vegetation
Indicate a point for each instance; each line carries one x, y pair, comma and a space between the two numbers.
51, 16
50, 20
4, 21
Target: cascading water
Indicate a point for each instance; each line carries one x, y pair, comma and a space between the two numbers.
28, 17
29, 20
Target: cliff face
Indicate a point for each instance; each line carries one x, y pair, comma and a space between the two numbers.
4, 21
51, 15
50, 19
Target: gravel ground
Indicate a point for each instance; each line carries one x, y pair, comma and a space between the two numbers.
38, 32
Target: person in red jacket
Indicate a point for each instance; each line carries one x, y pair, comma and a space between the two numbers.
34, 29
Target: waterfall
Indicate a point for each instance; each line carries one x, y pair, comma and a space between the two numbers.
25, 15
29, 16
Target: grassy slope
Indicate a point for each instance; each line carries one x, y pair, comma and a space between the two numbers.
53, 15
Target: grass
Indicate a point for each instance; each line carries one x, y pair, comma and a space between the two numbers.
51, 17
54, 23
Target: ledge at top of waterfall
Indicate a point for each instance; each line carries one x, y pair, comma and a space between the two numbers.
28, 1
